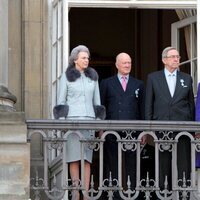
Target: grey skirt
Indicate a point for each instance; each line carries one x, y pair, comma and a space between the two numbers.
73, 144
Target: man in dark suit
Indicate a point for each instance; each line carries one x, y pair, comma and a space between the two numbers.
169, 96
121, 104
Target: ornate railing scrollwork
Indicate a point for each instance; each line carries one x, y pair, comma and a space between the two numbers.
56, 183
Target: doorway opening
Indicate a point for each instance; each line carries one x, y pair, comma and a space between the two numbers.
142, 33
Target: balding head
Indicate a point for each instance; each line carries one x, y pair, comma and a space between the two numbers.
123, 63
122, 56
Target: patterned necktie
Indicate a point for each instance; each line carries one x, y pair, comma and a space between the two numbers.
124, 82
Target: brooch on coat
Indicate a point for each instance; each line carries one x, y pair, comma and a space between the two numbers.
183, 83
137, 93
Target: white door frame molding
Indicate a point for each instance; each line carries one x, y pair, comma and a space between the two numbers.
189, 4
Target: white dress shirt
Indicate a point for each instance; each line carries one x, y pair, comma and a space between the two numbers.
171, 80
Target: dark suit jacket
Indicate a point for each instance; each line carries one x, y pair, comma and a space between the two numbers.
122, 105
159, 103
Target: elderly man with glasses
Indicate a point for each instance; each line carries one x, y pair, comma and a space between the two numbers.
169, 96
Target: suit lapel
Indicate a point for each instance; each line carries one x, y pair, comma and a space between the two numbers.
132, 85
178, 85
163, 85
129, 84
117, 85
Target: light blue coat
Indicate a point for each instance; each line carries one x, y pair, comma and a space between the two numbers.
79, 95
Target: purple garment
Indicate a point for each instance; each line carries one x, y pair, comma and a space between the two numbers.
198, 160
197, 113
197, 117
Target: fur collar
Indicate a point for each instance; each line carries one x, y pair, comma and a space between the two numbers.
72, 74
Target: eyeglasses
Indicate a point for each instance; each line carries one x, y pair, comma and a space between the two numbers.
85, 58
174, 56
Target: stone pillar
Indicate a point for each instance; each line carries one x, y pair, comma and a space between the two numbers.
4, 42
14, 157
7, 100
14, 149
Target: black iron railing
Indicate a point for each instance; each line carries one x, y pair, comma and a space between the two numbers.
56, 182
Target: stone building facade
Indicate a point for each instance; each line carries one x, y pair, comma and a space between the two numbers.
26, 71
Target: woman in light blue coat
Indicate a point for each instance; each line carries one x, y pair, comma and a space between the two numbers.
79, 90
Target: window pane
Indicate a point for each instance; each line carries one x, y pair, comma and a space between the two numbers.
186, 67
194, 40
183, 44
59, 59
59, 19
54, 63
54, 25
194, 65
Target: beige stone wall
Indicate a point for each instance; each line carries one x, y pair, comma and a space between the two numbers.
28, 55
34, 22
35, 69
15, 73
14, 157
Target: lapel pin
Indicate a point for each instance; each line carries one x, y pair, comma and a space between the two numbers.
183, 83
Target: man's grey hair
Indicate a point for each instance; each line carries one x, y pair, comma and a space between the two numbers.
74, 53
166, 50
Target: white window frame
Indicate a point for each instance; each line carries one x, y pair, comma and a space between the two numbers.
59, 45
56, 47
190, 22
